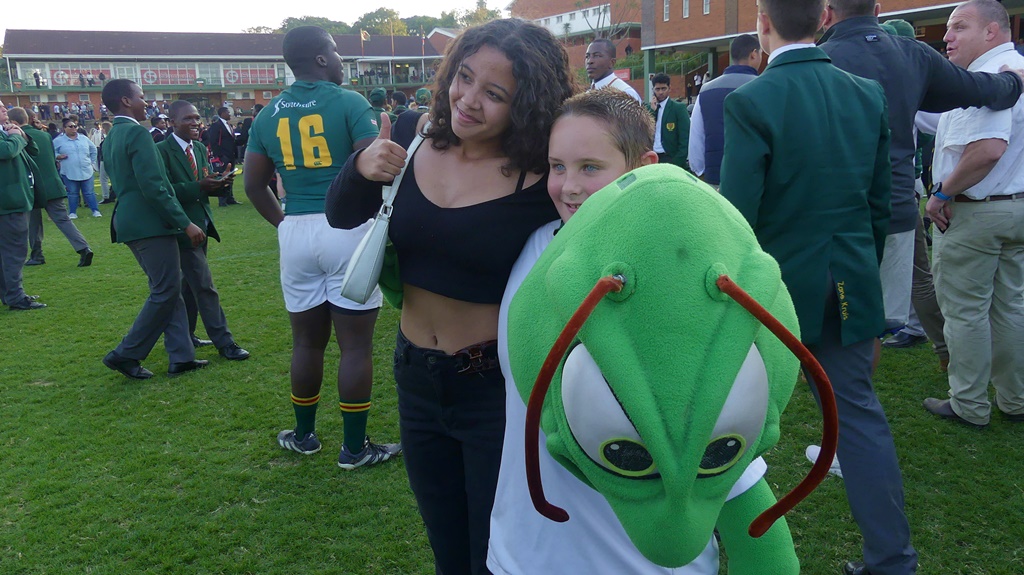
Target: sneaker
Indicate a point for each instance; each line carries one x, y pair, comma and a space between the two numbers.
97, 214
72, 216
307, 446
371, 454
812, 453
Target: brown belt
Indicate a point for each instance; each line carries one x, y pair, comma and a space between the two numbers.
963, 198
478, 357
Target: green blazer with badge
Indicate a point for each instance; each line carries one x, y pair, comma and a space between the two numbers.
194, 201
16, 195
146, 204
807, 164
45, 166
675, 131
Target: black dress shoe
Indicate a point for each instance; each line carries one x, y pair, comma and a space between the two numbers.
196, 342
855, 568
233, 352
904, 340
26, 304
107, 201
126, 366
942, 408
233, 202
186, 366
35, 262
86, 259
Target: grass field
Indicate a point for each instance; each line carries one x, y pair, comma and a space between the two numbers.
104, 475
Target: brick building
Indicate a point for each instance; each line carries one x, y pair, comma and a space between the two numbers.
708, 26
61, 67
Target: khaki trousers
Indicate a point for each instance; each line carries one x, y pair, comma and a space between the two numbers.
979, 281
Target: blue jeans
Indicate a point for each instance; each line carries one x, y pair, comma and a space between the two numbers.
452, 426
80, 186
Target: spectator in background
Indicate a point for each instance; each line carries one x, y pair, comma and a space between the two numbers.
707, 127
78, 158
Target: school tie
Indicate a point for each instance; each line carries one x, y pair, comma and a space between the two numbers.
192, 161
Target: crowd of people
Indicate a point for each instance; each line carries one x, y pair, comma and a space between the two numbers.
497, 158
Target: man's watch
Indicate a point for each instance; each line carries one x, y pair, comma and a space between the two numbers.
937, 192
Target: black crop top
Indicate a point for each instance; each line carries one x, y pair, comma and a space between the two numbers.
463, 253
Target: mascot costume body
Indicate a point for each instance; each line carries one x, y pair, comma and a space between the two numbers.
666, 385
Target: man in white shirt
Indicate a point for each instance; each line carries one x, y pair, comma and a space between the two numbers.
978, 205
600, 59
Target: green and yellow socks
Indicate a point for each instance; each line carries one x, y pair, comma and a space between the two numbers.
305, 414
355, 413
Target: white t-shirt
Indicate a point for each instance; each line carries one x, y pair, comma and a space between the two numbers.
592, 541
960, 127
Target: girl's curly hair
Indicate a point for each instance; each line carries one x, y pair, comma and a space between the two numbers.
543, 81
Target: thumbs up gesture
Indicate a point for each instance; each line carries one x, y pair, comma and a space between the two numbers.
383, 159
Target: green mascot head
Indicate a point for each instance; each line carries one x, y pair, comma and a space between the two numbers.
671, 387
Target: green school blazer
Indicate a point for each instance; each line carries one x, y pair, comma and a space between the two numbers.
45, 168
16, 194
186, 186
675, 132
146, 205
807, 163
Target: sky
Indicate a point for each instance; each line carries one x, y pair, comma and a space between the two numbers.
226, 18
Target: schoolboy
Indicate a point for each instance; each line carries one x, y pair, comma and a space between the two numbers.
598, 136
147, 218
189, 172
803, 127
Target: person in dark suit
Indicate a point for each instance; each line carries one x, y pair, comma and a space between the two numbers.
223, 149
672, 124
147, 218
188, 170
807, 163
16, 198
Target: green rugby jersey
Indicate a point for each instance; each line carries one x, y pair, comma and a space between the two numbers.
308, 132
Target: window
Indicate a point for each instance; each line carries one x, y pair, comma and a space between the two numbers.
666, 10
83, 97
686, 8
558, 19
267, 94
572, 16
586, 13
707, 6
547, 21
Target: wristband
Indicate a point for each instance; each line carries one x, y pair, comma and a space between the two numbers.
938, 194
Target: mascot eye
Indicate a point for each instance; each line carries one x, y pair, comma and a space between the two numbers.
741, 419
597, 421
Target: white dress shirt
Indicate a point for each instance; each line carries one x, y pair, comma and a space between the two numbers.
958, 128
613, 81
658, 146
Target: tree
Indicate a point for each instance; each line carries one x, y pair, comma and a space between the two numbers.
259, 30
606, 23
332, 26
478, 16
428, 23
382, 22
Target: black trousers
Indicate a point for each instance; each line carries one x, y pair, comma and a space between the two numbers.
452, 427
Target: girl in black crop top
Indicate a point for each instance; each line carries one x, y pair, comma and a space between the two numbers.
467, 204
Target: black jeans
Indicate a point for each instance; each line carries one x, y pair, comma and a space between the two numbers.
452, 426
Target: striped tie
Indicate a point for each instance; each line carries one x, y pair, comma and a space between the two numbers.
192, 161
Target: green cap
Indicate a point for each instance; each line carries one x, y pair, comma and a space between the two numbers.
378, 96
899, 28
423, 96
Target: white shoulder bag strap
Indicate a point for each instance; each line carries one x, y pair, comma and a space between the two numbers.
364, 267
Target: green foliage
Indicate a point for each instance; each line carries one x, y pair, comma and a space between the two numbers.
101, 474
260, 30
424, 24
382, 22
480, 15
332, 26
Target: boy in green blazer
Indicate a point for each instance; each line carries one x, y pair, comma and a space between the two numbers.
16, 197
147, 218
188, 170
807, 163
672, 124
48, 180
